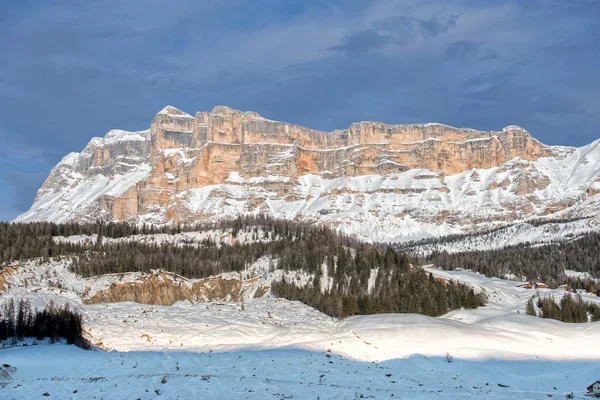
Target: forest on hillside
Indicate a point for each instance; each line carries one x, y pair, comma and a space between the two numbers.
18, 321
397, 286
571, 308
546, 263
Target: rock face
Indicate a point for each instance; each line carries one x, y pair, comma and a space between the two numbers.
383, 182
165, 288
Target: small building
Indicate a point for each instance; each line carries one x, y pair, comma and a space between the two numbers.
540, 285
526, 285
594, 389
565, 287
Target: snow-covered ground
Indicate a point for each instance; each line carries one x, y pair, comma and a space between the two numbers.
219, 236
513, 235
274, 348
66, 372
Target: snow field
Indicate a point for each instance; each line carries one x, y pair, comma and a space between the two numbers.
66, 372
274, 348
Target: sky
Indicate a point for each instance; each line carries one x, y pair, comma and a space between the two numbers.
71, 70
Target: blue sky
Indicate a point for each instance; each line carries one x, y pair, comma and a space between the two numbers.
71, 70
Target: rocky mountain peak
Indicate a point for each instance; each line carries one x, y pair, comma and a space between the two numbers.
170, 110
172, 119
380, 181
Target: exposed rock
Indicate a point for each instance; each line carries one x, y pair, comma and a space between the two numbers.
5, 274
226, 162
165, 288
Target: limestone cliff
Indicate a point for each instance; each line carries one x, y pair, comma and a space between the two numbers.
226, 162
165, 288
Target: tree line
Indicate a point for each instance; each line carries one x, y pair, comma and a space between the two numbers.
413, 291
547, 262
569, 309
19, 321
414, 245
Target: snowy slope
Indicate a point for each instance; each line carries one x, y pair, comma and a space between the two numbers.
512, 235
282, 349
275, 348
81, 181
267, 323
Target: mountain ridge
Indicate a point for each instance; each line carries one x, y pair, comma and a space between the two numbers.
379, 181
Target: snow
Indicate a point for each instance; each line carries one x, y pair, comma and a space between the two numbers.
503, 295
268, 323
70, 159
117, 135
294, 350
513, 128
516, 234
484, 139
174, 112
218, 236
581, 275
406, 206
290, 374
181, 152
65, 204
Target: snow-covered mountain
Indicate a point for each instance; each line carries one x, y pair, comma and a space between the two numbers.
391, 183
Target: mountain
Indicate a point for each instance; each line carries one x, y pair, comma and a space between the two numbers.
391, 183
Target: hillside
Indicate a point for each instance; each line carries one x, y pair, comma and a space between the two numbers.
262, 346
178, 314
333, 273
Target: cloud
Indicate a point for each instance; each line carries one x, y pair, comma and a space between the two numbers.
363, 42
399, 30
79, 69
412, 28
466, 50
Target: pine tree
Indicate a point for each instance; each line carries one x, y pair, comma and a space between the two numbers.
529, 309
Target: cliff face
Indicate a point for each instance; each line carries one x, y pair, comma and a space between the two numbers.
225, 163
165, 288
226, 141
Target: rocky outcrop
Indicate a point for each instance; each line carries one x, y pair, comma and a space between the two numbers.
226, 162
5, 274
165, 288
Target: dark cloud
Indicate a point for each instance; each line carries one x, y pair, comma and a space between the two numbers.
463, 50
398, 30
363, 42
435, 26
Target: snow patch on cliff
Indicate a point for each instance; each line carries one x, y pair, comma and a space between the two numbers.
69, 203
